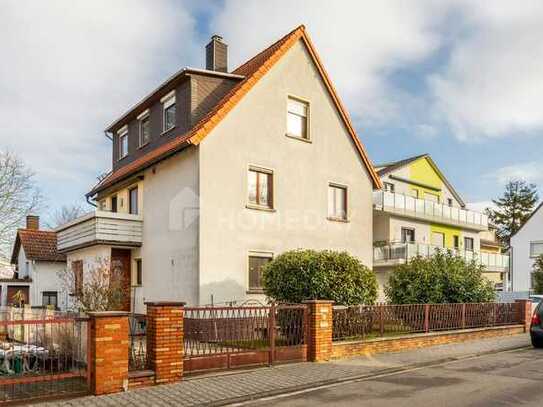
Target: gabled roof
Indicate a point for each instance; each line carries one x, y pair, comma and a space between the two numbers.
40, 245
529, 217
252, 71
384, 169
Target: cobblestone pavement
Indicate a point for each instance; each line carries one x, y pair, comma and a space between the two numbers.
249, 385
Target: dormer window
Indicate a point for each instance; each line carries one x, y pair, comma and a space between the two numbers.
123, 142
168, 116
144, 124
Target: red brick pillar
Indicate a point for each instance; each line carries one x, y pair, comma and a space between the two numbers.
525, 313
108, 356
319, 341
165, 340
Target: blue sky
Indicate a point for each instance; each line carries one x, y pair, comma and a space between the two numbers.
458, 79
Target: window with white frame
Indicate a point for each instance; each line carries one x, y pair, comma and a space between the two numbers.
388, 186
168, 115
144, 128
298, 118
260, 187
469, 244
123, 142
536, 249
337, 202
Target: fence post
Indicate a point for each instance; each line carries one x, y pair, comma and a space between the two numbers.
525, 313
319, 341
426, 318
381, 320
108, 352
463, 316
271, 333
165, 347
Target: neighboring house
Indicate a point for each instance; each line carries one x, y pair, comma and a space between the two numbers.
526, 245
418, 212
216, 172
37, 266
490, 247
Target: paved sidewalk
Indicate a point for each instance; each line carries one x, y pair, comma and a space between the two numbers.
249, 385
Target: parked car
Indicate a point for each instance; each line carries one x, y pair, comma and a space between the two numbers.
536, 327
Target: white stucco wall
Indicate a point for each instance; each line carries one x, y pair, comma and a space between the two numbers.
522, 263
170, 230
253, 133
45, 277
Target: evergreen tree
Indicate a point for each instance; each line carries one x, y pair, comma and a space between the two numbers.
513, 208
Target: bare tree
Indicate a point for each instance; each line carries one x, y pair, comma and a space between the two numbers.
99, 288
65, 214
19, 196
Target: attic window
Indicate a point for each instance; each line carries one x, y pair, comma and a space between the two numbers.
145, 128
298, 118
168, 116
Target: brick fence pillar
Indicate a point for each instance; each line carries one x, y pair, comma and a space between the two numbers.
525, 313
165, 348
108, 356
319, 341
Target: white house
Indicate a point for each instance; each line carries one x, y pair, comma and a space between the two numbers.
37, 266
526, 245
216, 172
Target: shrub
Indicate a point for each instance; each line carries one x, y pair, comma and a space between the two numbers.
538, 275
442, 278
299, 275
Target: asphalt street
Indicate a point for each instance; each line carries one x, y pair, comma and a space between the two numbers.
504, 379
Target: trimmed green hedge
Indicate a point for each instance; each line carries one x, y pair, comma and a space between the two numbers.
299, 275
442, 278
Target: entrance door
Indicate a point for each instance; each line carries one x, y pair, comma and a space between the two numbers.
120, 267
438, 239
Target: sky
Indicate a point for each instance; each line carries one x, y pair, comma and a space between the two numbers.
460, 80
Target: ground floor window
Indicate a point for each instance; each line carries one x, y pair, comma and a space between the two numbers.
49, 298
256, 262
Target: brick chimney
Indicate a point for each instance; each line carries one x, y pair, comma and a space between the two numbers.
217, 55
33, 222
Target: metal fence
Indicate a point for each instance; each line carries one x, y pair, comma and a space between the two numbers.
367, 322
137, 356
220, 330
42, 353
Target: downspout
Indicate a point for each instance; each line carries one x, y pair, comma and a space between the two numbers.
89, 202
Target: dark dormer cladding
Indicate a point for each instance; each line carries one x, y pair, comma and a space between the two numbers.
173, 108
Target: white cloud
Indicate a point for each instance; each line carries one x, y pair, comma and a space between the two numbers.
530, 172
69, 68
491, 87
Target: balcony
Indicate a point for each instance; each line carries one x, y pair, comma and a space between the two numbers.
408, 206
100, 227
395, 254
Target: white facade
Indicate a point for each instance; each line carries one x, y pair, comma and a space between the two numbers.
198, 226
41, 276
526, 244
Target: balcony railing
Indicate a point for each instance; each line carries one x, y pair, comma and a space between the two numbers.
100, 227
422, 208
398, 253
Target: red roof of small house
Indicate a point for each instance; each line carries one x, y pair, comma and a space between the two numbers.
38, 245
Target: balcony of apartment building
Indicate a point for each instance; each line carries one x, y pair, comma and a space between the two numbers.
393, 254
101, 227
411, 207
